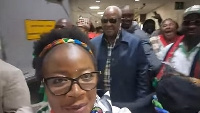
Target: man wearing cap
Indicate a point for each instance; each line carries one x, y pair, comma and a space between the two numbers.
184, 54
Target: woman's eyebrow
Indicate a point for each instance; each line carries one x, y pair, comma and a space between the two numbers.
84, 69
64, 72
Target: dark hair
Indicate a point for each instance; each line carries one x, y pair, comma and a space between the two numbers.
179, 94
149, 21
98, 29
73, 33
146, 26
177, 26
92, 28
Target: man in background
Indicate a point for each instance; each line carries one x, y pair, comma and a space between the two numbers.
63, 23
184, 54
128, 25
121, 59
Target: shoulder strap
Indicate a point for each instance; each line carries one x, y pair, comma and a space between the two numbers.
195, 69
163, 41
168, 55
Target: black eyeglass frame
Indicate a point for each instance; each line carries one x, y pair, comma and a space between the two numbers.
111, 20
75, 80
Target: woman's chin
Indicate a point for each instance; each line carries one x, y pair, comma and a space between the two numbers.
82, 109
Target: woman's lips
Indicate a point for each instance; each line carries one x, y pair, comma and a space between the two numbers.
168, 30
76, 108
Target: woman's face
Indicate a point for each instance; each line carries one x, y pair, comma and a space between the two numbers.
169, 27
69, 60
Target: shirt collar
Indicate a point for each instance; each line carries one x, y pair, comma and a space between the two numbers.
123, 36
117, 38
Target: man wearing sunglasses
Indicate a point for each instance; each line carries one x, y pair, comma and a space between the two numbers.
121, 59
184, 54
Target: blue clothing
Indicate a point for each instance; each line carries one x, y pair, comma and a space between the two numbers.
129, 66
154, 62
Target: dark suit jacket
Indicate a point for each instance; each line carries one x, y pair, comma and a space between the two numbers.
129, 65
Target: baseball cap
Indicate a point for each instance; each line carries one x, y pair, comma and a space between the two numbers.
191, 10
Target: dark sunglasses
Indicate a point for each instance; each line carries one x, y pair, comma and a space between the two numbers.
112, 20
188, 22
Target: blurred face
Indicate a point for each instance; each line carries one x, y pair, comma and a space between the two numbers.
149, 27
127, 18
62, 64
169, 28
63, 23
83, 29
191, 25
111, 22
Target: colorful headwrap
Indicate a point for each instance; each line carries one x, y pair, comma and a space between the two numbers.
62, 41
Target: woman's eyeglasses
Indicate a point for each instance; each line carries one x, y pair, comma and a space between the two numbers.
112, 20
188, 22
62, 85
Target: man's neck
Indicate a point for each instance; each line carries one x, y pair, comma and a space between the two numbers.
111, 40
170, 38
190, 42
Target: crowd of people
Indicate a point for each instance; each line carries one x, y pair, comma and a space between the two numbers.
120, 68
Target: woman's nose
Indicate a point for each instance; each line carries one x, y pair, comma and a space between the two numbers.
75, 91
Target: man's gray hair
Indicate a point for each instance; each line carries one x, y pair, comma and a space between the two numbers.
114, 7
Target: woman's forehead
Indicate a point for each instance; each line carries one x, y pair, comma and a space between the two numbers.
67, 58
66, 48
67, 52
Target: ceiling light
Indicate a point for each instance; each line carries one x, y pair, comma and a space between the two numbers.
98, 1
94, 7
137, 0
100, 13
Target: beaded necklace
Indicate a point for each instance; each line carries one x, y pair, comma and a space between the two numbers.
96, 110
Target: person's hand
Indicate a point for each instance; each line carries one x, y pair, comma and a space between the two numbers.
157, 16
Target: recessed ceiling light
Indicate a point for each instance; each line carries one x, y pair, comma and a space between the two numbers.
100, 13
94, 7
98, 1
137, 0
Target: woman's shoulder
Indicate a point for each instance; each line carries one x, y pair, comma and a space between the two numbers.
104, 103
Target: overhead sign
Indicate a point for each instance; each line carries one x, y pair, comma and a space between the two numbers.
34, 28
